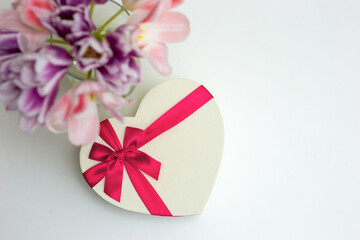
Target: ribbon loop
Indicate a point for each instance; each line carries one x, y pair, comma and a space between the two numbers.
108, 134
132, 137
94, 175
100, 152
114, 161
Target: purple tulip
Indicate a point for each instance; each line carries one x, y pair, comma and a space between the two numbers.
30, 83
91, 54
78, 2
70, 23
101, 1
9, 49
9, 43
121, 71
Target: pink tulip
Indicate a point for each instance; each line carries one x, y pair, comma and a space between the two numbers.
132, 5
76, 111
25, 17
32, 11
158, 25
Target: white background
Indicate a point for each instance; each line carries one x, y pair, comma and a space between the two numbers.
285, 74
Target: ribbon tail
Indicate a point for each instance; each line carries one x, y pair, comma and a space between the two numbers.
146, 192
94, 174
113, 180
145, 163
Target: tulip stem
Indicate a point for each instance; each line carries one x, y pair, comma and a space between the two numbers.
92, 5
57, 41
109, 21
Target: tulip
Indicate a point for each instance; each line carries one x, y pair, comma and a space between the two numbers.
26, 17
91, 53
75, 3
29, 83
122, 70
158, 25
76, 111
70, 23
132, 5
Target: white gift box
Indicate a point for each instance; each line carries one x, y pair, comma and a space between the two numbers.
189, 153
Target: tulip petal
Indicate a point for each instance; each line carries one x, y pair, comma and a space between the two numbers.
27, 76
84, 127
10, 20
176, 3
57, 118
111, 102
48, 103
54, 77
11, 105
101, 53
147, 13
58, 56
9, 91
30, 39
171, 27
88, 87
132, 5
30, 102
28, 124
29, 16
51, 68
31, 11
76, 112
157, 55
8, 43
29, 42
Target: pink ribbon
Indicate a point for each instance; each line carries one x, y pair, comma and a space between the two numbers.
113, 160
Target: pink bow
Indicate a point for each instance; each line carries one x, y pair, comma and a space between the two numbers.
134, 160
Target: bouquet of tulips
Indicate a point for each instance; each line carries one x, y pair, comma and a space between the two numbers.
41, 39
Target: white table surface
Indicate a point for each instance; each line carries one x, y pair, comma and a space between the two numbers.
286, 77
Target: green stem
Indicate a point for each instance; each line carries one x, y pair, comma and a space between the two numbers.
57, 41
92, 5
89, 74
109, 21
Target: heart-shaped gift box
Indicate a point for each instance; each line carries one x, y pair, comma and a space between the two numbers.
163, 161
